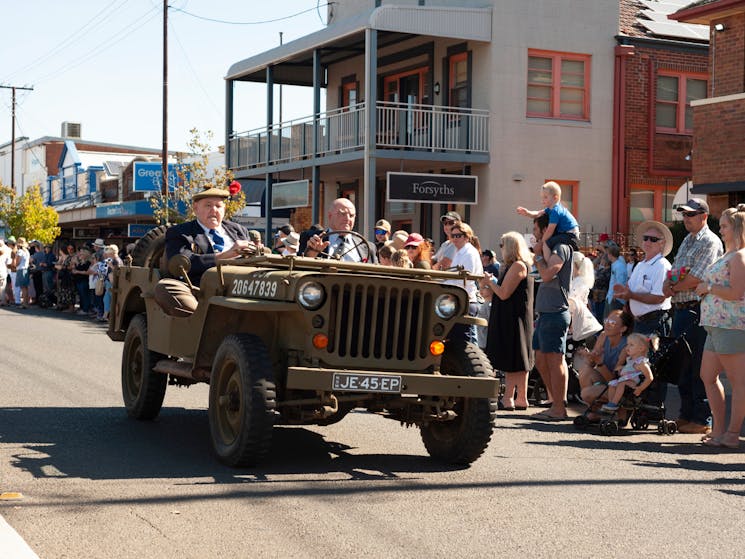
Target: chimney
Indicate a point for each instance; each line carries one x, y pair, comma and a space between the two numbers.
71, 130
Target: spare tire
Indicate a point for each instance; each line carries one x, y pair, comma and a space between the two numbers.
149, 249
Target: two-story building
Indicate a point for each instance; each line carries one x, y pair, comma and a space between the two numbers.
418, 95
718, 153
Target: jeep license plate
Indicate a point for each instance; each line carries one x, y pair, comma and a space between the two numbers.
350, 382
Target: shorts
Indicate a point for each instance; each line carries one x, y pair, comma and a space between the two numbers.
550, 334
22, 278
724, 340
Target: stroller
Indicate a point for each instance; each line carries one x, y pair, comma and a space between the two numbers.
641, 411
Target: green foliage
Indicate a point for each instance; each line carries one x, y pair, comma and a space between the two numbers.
27, 216
194, 176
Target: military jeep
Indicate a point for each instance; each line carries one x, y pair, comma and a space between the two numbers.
295, 340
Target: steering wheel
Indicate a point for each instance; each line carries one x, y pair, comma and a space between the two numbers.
360, 245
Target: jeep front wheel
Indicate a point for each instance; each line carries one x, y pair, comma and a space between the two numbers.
143, 389
242, 401
463, 439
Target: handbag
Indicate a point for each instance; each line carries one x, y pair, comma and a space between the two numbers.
100, 288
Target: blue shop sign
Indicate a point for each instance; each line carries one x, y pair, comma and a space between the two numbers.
147, 176
138, 229
119, 209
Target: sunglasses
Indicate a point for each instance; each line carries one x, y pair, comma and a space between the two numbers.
457, 235
410, 247
650, 238
449, 222
691, 214
380, 231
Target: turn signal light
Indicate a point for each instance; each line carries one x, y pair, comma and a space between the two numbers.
320, 341
437, 347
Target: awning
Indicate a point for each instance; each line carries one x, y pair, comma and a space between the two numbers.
718, 187
293, 61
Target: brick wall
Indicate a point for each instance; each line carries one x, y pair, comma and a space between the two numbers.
666, 151
727, 54
719, 145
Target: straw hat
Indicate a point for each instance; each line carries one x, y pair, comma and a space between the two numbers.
662, 228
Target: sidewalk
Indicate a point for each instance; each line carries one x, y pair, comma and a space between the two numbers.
12, 545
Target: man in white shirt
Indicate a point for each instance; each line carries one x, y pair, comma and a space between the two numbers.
349, 248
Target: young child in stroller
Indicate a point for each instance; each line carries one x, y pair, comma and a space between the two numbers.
635, 374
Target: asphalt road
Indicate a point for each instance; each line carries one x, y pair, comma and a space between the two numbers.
96, 484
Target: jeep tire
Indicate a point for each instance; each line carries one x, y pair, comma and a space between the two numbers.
463, 439
242, 401
143, 389
149, 248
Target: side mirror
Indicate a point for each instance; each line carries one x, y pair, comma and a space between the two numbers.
179, 265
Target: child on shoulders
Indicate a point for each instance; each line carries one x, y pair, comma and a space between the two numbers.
562, 228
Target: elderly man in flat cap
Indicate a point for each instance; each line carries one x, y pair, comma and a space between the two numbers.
205, 240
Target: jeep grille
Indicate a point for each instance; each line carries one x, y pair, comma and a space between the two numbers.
372, 321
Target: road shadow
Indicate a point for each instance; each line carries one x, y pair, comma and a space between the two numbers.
103, 443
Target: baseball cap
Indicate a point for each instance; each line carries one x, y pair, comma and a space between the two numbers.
383, 224
694, 205
415, 239
451, 215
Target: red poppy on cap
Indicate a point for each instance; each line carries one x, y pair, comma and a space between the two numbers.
414, 239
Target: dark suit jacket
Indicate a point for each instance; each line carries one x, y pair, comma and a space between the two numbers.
190, 240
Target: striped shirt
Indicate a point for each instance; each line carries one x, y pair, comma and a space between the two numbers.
697, 252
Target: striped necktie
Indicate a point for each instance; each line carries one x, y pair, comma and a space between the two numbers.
218, 243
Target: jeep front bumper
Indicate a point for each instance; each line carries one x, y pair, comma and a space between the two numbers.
346, 380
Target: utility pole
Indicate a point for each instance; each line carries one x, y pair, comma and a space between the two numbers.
13, 132
164, 168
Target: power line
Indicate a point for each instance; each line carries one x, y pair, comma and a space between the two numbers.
193, 71
251, 22
104, 46
71, 39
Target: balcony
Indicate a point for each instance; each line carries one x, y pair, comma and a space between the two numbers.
401, 126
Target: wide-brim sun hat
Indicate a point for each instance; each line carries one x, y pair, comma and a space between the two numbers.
662, 228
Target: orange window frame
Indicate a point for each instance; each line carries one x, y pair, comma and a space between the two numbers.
422, 71
556, 84
682, 102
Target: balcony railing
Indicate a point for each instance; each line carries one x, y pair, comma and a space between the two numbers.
400, 126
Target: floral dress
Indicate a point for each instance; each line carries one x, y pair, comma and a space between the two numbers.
717, 312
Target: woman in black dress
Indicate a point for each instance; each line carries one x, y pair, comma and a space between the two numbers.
510, 331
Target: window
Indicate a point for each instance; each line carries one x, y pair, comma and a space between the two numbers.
458, 80
558, 85
673, 112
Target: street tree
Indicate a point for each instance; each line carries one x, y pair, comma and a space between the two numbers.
194, 175
27, 216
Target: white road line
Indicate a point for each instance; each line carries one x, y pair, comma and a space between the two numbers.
12, 545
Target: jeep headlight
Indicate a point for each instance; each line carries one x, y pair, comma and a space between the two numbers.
311, 295
446, 306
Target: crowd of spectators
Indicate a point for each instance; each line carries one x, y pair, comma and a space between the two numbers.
77, 279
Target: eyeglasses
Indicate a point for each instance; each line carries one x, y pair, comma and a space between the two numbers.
612, 321
410, 247
350, 215
650, 238
380, 231
691, 214
457, 235
449, 222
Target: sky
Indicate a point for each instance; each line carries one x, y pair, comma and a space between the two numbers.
99, 63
